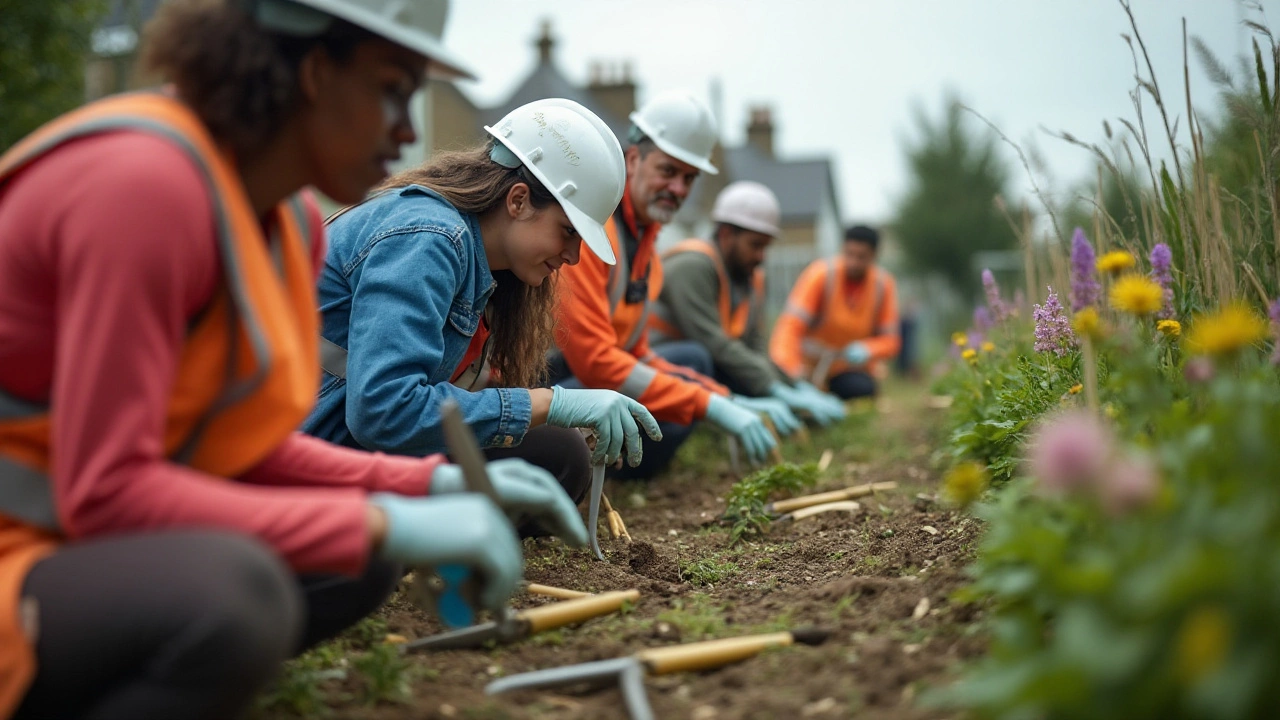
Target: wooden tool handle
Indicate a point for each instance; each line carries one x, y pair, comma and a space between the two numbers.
574, 611
857, 491
555, 592
709, 654
847, 505
775, 452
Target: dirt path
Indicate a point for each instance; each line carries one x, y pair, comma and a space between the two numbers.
880, 581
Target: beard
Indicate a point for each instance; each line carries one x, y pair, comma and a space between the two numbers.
663, 214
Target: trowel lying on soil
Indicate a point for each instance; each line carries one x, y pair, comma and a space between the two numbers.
519, 625
629, 671
812, 510
781, 507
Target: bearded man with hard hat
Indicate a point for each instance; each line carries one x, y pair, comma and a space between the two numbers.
602, 340
713, 294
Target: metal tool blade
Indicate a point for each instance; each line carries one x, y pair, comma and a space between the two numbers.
634, 696
593, 509
465, 451
467, 637
601, 672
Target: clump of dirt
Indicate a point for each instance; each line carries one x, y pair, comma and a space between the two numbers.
645, 560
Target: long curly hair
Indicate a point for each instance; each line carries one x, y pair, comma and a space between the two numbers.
523, 317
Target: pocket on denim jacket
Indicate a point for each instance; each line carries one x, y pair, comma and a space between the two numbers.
464, 319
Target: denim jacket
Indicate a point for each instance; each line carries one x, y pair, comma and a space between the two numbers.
403, 288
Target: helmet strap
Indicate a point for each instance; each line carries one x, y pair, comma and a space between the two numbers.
502, 155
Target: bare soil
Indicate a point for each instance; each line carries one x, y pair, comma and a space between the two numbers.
880, 581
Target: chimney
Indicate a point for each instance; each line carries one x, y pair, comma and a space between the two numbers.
613, 88
760, 129
545, 43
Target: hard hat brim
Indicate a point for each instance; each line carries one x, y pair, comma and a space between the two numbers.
678, 153
591, 232
746, 224
443, 64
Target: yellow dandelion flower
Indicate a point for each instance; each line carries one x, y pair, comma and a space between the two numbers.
1169, 328
1203, 642
1226, 331
1087, 323
965, 483
1137, 295
1116, 262
960, 339
988, 346
1075, 389
969, 354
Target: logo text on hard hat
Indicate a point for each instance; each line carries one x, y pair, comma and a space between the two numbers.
566, 147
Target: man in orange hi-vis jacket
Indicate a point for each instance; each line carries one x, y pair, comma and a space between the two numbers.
840, 323
602, 338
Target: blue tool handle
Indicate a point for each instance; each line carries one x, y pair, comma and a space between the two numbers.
453, 605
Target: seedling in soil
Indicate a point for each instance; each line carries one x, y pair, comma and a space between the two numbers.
707, 571
745, 503
385, 676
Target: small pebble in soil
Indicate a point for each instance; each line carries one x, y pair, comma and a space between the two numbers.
673, 532
821, 707
887, 533
704, 712
448, 711
922, 609
929, 529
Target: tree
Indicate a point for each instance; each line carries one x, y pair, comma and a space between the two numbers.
43, 47
949, 211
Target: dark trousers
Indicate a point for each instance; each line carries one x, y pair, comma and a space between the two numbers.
560, 451
657, 455
182, 624
849, 385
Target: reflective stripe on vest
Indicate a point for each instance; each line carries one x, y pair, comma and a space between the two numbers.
735, 321
25, 492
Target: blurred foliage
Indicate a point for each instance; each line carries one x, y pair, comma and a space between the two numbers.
43, 48
949, 211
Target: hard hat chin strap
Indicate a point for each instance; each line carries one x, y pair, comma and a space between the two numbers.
502, 155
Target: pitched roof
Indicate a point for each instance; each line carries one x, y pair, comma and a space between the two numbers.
801, 185
546, 81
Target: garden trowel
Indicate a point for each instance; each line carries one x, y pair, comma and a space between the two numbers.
629, 672
519, 625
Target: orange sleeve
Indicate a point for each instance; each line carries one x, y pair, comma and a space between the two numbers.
589, 342
886, 341
792, 324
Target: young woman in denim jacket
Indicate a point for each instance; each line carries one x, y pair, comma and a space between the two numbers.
443, 282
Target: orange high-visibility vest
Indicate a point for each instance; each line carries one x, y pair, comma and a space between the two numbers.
247, 372
734, 320
830, 321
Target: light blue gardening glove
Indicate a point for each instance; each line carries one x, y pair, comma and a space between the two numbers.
455, 530
796, 399
857, 353
743, 423
524, 492
783, 419
613, 418
822, 404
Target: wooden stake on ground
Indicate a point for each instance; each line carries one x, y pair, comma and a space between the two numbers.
825, 462
617, 528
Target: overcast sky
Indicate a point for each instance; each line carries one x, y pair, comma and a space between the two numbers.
843, 75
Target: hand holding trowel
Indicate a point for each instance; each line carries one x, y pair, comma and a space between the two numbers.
629, 671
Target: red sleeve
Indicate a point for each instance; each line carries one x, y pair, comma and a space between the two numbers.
309, 461
589, 342
134, 257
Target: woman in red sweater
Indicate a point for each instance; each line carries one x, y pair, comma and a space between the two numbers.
166, 537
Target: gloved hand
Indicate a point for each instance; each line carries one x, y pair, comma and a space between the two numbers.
524, 491
857, 353
822, 403
745, 424
611, 416
465, 529
795, 398
783, 419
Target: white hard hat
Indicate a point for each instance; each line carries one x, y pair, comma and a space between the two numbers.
748, 205
575, 156
681, 126
415, 24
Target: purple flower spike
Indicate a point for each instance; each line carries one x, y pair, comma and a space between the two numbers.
1162, 273
1085, 290
982, 321
1053, 329
999, 311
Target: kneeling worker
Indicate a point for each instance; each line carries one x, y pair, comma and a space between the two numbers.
841, 320
713, 294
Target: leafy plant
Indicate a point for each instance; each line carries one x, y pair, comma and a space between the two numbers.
745, 503
706, 571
